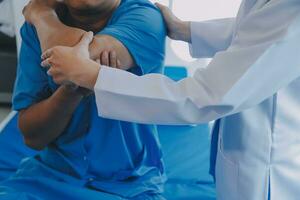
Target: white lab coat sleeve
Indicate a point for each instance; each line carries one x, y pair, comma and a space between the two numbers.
263, 58
210, 37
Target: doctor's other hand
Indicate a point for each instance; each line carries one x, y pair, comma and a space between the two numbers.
177, 29
72, 64
38, 8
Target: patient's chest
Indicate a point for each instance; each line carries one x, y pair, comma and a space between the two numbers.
118, 149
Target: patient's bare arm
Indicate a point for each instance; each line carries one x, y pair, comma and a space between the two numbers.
52, 32
43, 122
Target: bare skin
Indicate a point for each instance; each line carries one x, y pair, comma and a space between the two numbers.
41, 128
34, 123
52, 32
177, 29
86, 75
62, 59
67, 67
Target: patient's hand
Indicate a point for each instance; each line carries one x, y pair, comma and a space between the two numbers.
51, 32
38, 8
110, 59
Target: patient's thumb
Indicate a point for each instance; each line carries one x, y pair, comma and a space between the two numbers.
86, 39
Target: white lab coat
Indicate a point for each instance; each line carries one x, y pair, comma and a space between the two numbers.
252, 83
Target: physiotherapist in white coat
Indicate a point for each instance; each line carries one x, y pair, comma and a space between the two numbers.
252, 85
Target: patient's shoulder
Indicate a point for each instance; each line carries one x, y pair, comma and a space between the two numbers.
28, 33
139, 11
27, 30
29, 37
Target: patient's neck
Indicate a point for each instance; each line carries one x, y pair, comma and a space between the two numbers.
89, 19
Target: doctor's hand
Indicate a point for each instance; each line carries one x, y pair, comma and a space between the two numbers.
177, 29
72, 64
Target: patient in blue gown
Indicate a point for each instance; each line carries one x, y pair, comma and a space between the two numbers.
93, 157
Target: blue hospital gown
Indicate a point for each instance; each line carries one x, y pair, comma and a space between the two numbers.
94, 156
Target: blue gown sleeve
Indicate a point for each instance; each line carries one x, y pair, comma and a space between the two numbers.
141, 30
31, 84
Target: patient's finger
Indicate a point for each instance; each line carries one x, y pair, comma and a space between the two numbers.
113, 59
104, 58
118, 64
46, 54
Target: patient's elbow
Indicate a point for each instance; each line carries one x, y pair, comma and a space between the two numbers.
32, 141
29, 136
33, 144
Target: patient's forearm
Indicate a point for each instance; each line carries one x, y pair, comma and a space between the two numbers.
43, 122
52, 32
